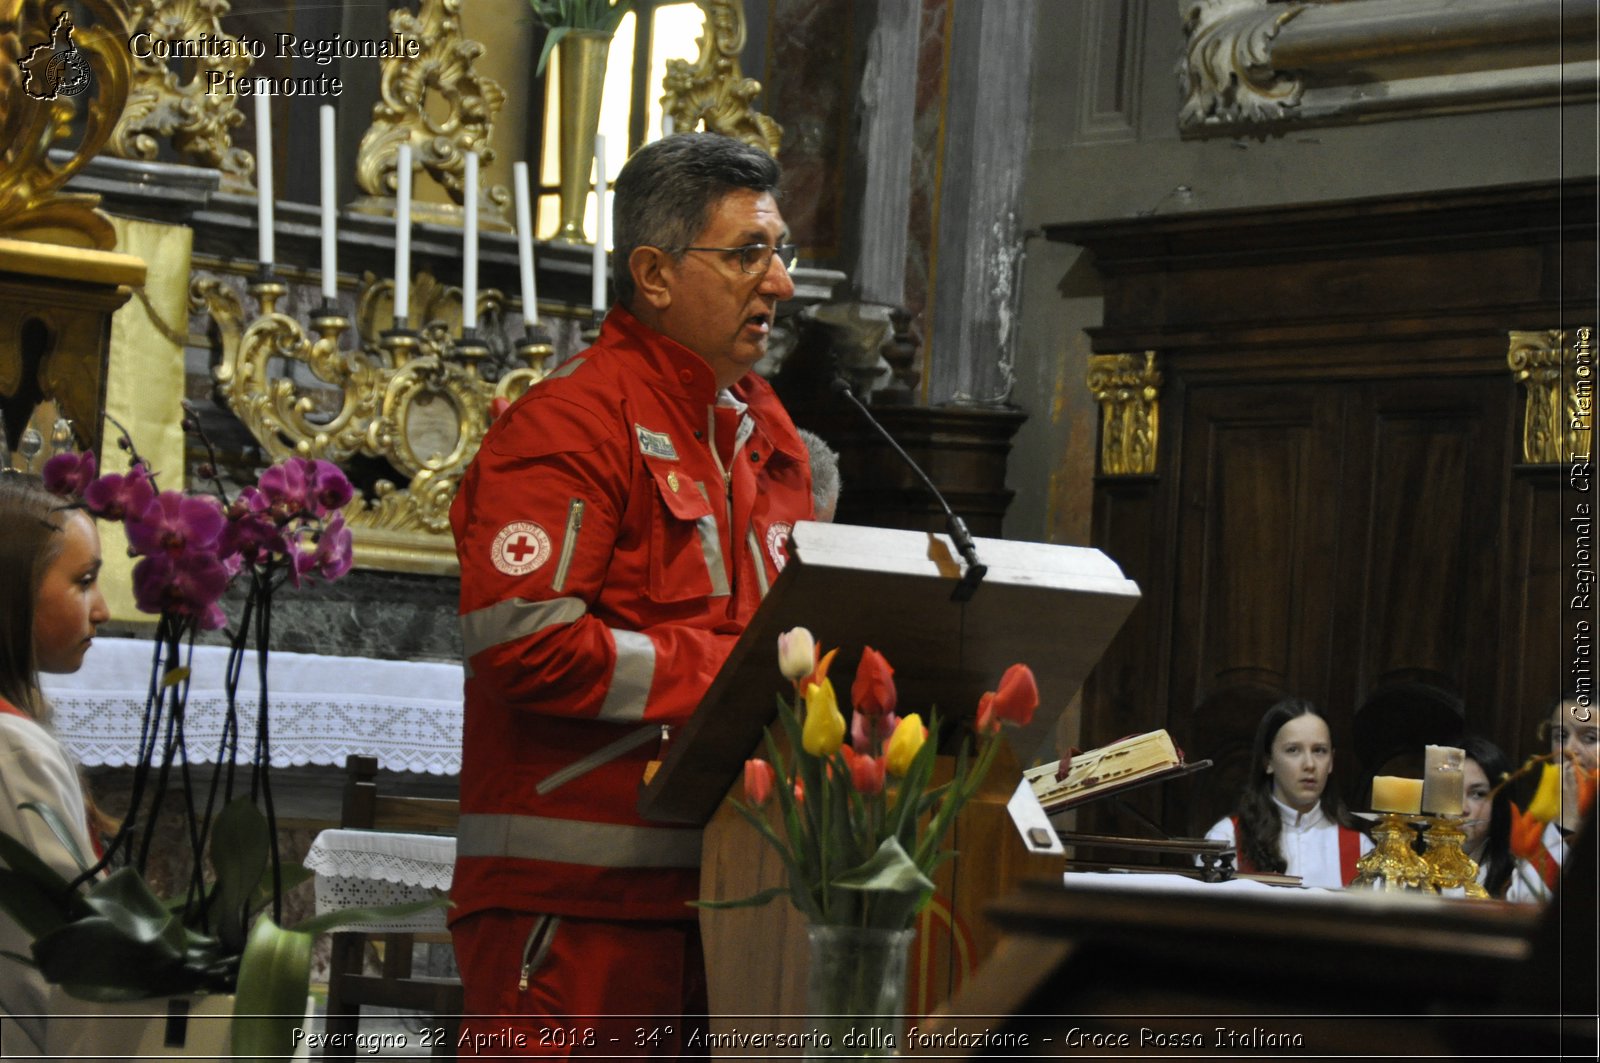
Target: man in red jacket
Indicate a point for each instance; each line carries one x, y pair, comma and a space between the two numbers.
616, 532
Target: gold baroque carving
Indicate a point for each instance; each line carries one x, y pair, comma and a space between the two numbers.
714, 90
160, 106
1556, 369
32, 204
468, 102
1128, 389
410, 399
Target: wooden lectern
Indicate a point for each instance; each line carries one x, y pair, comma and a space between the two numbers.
1054, 608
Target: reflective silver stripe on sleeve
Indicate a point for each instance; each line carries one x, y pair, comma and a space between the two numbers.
565, 841
711, 548
514, 618
604, 755
566, 368
630, 678
759, 561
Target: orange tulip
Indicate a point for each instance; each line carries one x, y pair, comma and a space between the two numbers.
758, 780
873, 691
1527, 843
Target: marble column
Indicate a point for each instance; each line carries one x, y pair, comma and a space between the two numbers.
977, 272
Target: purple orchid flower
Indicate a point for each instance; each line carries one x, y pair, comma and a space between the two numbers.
186, 584
330, 488
175, 523
69, 473
251, 536
115, 495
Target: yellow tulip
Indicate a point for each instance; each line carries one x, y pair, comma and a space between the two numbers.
823, 732
904, 744
1546, 803
797, 653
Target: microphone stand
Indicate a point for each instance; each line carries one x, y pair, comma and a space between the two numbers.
954, 525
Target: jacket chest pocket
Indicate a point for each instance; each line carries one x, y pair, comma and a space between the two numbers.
686, 558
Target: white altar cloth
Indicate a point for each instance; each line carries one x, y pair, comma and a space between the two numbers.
405, 713
365, 868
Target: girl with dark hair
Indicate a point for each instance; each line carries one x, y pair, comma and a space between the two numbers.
1488, 824
50, 605
1289, 821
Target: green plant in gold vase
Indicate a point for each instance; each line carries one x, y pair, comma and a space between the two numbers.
860, 826
581, 30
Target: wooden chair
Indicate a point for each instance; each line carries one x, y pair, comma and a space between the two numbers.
349, 988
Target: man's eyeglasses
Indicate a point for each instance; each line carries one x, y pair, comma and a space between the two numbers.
756, 258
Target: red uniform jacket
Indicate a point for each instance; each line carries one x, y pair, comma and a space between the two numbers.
616, 532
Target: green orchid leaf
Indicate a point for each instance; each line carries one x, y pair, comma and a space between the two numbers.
321, 924
890, 870
240, 855
58, 827
99, 958
755, 900
292, 874
274, 980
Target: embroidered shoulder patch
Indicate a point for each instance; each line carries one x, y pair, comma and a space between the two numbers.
778, 542
655, 444
519, 548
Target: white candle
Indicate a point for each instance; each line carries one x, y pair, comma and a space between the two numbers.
1443, 780
330, 211
402, 238
469, 253
598, 299
530, 295
264, 174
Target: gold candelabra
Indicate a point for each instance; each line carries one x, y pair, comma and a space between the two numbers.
416, 394
1449, 867
1392, 865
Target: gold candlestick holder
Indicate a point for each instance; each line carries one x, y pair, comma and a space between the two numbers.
1449, 867
1392, 865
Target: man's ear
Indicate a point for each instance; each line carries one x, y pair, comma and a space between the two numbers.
652, 270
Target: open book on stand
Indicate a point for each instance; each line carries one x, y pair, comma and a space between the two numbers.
1097, 773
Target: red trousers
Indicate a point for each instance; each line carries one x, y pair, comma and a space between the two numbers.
561, 988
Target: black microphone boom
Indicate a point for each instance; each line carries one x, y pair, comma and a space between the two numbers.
953, 524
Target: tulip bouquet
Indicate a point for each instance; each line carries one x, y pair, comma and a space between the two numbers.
107, 936
860, 826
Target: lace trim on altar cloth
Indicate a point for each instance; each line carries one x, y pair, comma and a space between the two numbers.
405, 713
371, 868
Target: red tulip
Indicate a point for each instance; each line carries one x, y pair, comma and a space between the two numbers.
873, 691
758, 779
1017, 697
866, 774
1527, 842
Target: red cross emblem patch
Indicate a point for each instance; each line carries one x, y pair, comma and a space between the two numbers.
521, 547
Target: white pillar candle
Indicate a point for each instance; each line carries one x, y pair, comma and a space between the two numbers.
1443, 780
330, 210
402, 238
1391, 793
530, 294
264, 174
469, 251
598, 298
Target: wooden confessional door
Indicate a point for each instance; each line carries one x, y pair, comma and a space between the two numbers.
1336, 539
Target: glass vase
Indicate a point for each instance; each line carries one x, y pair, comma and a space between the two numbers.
856, 992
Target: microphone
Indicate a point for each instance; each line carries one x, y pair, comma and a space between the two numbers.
956, 527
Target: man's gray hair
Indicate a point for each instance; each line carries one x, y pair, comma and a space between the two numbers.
668, 189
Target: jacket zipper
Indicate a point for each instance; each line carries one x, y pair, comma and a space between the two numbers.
574, 524
544, 928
